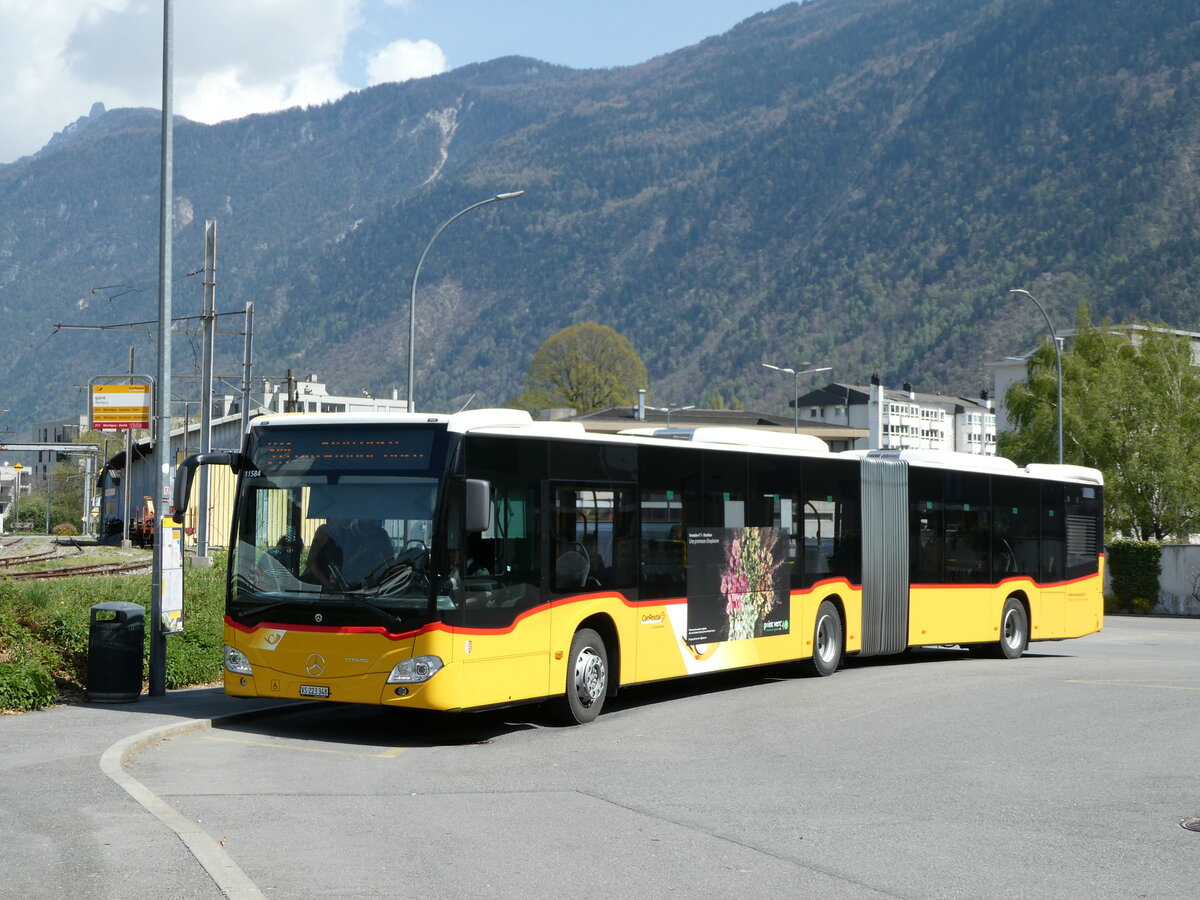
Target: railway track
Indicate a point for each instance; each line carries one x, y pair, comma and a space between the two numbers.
60, 550
73, 571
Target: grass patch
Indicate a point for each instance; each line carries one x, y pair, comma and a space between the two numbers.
44, 633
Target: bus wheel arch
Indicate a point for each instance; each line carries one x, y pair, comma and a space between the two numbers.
1014, 627
829, 639
589, 681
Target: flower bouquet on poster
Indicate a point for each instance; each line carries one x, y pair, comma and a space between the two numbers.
737, 584
750, 583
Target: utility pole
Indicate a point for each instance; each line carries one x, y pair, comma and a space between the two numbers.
293, 399
208, 321
162, 436
247, 363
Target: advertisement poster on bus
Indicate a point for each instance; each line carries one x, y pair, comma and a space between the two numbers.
737, 584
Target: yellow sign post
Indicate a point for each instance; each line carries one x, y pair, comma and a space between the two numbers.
120, 407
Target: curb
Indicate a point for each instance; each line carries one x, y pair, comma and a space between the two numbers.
228, 875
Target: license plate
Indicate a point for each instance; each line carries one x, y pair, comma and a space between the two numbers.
314, 690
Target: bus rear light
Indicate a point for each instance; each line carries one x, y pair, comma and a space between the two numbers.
416, 670
235, 661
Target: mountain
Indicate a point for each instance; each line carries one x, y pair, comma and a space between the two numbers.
855, 183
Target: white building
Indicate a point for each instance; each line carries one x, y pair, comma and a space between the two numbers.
12, 481
61, 431
308, 395
904, 419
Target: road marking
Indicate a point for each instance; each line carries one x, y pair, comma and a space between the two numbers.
1169, 687
387, 754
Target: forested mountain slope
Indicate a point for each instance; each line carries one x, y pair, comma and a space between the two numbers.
855, 183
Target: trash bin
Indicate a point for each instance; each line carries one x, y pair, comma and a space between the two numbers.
115, 642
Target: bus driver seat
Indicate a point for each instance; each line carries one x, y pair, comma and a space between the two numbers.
571, 567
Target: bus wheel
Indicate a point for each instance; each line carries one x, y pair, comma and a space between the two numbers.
1014, 629
827, 642
587, 679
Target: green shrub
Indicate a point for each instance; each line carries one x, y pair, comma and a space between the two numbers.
45, 631
25, 684
1135, 567
65, 529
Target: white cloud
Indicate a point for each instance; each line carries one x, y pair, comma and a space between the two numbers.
404, 59
231, 58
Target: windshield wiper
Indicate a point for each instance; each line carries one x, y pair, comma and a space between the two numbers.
360, 600
262, 607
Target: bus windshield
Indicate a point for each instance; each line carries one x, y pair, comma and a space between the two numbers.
335, 528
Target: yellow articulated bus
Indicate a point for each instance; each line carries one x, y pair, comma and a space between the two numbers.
482, 559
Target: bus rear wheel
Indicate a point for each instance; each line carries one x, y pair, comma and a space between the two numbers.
827, 642
1014, 633
1014, 629
587, 679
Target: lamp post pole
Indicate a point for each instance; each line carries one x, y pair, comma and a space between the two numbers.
1057, 363
796, 373
412, 300
674, 409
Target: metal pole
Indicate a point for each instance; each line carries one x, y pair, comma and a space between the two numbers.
88, 473
208, 318
247, 362
796, 373
162, 437
796, 404
127, 474
412, 300
1057, 364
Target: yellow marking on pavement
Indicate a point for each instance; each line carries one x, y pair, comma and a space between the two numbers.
1169, 687
387, 754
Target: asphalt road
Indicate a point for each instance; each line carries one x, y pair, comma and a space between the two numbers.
1064, 774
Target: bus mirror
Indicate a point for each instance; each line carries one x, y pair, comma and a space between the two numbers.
479, 505
187, 471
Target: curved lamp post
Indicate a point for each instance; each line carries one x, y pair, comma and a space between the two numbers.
1057, 363
796, 373
675, 409
412, 301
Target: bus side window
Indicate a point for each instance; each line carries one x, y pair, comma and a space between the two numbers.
926, 525
669, 503
1053, 533
832, 531
1015, 536
592, 537
504, 562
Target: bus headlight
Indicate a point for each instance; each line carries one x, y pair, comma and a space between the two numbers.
415, 670
235, 661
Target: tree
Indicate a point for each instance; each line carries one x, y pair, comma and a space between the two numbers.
1131, 408
585, 366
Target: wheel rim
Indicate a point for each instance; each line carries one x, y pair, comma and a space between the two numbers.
590, 677
1012, 629
825, 639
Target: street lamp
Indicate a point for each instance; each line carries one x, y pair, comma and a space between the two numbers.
412, 301
673, 409
796, 373
1057, 363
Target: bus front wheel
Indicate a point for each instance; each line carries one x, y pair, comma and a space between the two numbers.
587, 679
827, 641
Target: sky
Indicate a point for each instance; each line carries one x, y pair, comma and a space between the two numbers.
237, 57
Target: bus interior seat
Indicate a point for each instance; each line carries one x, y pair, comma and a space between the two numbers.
571, 567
